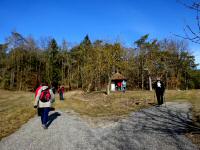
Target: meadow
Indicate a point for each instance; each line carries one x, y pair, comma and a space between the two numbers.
16, 107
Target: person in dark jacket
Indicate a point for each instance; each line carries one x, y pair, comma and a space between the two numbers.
159, 89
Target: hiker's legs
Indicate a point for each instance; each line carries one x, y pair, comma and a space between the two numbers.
124, 89
62, 98
60, 94
158, 97
161, 98
44, 115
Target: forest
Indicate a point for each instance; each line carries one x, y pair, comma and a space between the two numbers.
26, 62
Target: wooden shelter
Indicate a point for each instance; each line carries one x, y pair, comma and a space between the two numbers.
116, 81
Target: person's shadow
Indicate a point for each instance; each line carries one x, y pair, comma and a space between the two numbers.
52, 117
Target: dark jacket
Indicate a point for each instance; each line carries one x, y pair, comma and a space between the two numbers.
159, 86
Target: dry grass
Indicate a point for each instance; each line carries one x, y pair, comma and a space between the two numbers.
16, 108
98, 104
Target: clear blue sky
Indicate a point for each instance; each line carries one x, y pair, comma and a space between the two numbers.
110, 20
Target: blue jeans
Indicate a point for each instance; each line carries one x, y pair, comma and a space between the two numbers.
45, 115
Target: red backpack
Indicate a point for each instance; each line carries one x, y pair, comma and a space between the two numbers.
45, 95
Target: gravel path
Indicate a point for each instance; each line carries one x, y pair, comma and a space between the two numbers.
156, 128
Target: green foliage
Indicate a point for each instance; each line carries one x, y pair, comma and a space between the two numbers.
54, 66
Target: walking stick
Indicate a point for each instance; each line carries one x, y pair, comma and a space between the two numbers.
164, 101
154, 97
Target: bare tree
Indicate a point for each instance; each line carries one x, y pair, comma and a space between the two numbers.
189, 32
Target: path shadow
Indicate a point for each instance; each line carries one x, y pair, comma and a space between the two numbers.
52, 117
156, 123
163, 120
170, 121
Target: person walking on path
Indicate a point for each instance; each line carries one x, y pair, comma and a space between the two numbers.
159, 89
36, 93
61, 92
124, 86
43, 100
119, 85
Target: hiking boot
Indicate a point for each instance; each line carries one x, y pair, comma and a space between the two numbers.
44, 126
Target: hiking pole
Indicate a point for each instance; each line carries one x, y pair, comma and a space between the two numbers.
164, 101
154, 97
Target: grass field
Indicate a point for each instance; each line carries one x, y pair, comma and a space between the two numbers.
16, 108
98, 104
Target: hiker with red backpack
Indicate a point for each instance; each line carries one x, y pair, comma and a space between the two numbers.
44, 97
36, 93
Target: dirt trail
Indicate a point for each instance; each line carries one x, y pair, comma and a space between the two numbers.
156, 128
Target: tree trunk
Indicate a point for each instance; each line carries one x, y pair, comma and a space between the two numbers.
142, 76
166, 81
20, 83
12, 77
150, 83
88, 88
62, 71
99, 83
108, 86
69, 77
186, 81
